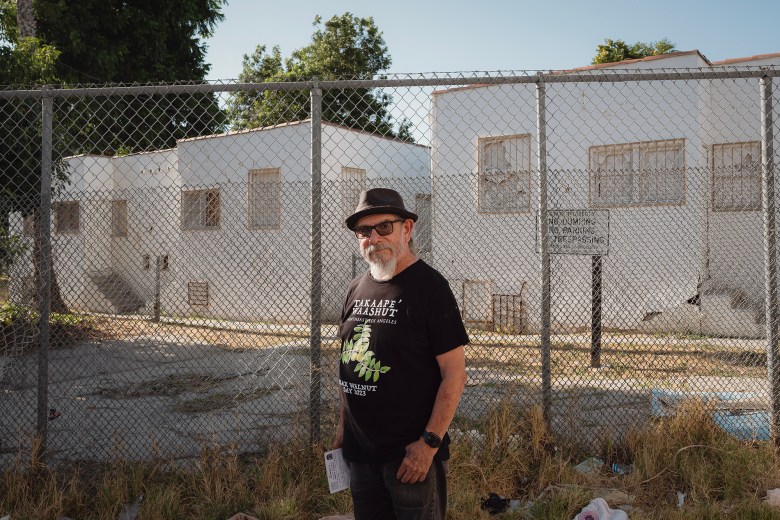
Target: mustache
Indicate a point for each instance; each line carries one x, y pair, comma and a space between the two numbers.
377, 247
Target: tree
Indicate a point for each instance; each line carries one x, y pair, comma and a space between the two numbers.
24, 59
613, 51
99, 41
138, 42
20, 127
343, 47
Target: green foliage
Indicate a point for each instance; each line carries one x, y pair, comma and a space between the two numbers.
114, 41
613, 51
110, 41
26, 61
11, 314
11, 247
343, 47
65, 329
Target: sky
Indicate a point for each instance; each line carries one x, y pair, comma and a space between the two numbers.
459, 35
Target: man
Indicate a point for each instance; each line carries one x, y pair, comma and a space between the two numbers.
402, 369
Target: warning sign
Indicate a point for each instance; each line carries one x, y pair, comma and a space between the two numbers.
577, 231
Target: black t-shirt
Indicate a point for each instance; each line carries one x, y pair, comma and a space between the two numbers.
391, 333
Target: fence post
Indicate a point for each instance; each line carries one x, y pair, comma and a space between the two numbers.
45, 266
316, 263
156, 309
770, 253
595, 311
541, 143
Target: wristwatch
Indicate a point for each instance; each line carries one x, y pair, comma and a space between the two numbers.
431, 439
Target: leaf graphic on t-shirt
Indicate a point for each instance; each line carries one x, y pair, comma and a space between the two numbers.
356, 349
345, 350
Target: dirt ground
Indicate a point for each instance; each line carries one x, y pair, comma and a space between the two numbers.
140, 389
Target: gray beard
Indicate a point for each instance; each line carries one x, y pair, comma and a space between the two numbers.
380, 271
383, 272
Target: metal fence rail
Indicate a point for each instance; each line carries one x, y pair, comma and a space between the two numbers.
177, 257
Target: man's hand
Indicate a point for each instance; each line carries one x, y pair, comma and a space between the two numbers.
416, 463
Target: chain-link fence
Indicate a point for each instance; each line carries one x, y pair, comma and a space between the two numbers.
177, 259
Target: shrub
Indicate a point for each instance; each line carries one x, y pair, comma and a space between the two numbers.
19, 326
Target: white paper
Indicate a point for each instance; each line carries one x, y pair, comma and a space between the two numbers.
337, 470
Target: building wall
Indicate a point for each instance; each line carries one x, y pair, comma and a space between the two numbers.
647, 269
736, 238
264, 274
151, 185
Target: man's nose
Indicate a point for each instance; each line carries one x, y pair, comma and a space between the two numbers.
374, 238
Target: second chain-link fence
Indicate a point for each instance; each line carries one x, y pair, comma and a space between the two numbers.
604, 233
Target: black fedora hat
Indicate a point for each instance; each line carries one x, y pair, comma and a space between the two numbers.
379, 200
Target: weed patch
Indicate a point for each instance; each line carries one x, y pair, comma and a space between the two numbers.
508, 452
19, 326
170, 385
220, 400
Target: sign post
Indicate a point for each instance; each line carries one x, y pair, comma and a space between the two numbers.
583, 232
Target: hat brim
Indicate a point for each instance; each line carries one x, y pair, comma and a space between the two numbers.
352, 220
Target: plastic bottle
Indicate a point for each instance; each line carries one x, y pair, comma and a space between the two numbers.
622, 469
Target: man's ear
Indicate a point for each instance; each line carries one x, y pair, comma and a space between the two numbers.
408, 226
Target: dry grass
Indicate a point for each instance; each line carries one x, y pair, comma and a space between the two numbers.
221, 400
514, 455
287, 483
646, 358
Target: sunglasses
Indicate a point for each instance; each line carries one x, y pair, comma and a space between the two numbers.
383, 229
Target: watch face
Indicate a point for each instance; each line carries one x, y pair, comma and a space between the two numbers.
431, 439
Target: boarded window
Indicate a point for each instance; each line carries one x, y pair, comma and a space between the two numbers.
509, 313
119, 218
477, 303
198, 293
265, 198
736, 176
200, 209
505, 174
422, 228
353, 181
66, 217
637, 174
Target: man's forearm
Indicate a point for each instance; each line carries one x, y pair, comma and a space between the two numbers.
447, 398
339, 440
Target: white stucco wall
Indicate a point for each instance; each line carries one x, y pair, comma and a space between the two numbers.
150, 183
263, 274
736, 238
657, 253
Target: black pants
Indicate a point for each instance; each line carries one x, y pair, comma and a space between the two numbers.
378, 495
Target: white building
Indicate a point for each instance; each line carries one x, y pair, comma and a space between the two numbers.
676, 163
228, 217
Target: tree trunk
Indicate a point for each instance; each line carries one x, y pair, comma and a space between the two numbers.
25, 18
57, 303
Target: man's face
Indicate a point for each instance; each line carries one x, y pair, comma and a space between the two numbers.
382, 252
